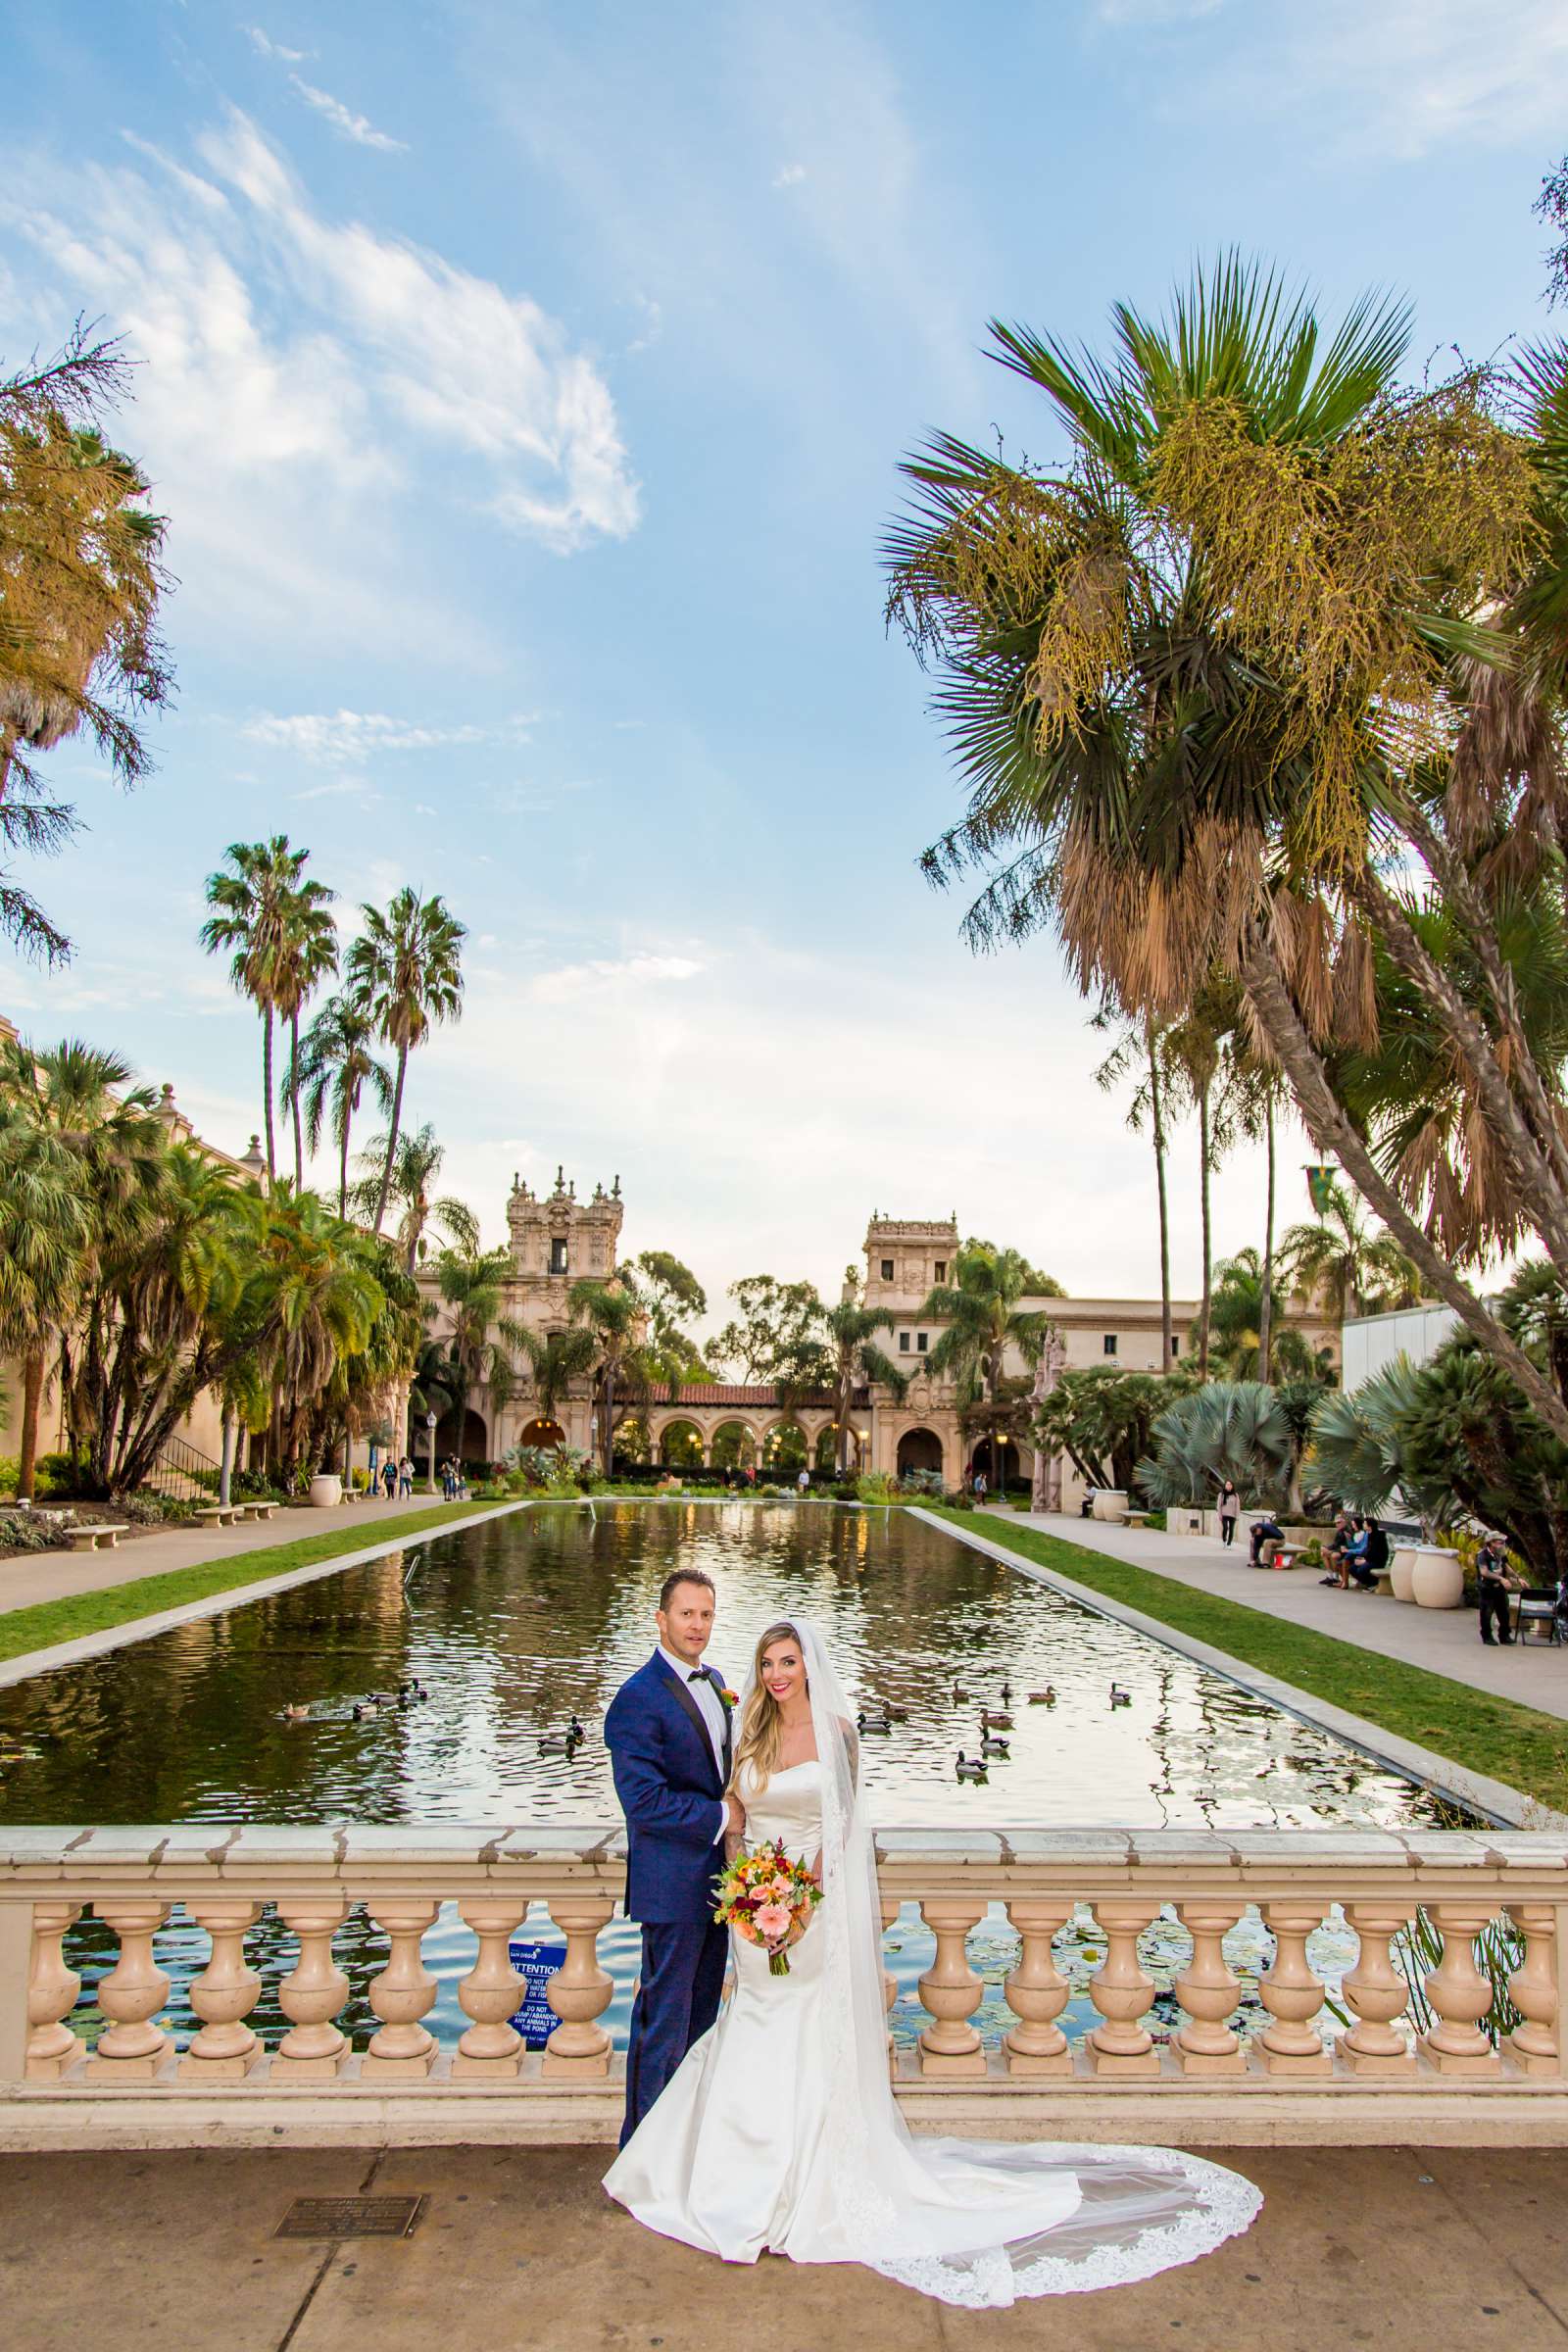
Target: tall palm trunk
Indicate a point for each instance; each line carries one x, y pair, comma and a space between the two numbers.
1208, 1245
1265, 1313
1332, 1131
343, 1164
227, 1458
31, 1395
1156, 1108
609, 1420
294, 1099
266, 1089
392, 1140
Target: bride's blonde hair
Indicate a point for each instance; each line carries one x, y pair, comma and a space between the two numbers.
762, 1735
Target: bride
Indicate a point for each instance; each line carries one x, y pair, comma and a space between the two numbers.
779, 2131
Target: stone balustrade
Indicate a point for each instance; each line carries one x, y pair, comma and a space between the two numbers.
1206, 2076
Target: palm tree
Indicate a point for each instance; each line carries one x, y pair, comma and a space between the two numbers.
406, 969
474, 1290
69, 1105
335, 1061
307, 955
980, 1309
253, 901
320, 1300
1200, 679
1142, 1046
850, 1327
1348, 1269
1237, 1322
1235, 1430
614, 1317
416, 1165
81, 555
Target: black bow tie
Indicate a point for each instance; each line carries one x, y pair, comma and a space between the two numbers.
698, 1674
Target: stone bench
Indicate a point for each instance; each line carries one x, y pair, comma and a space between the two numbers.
218, 1514
99, 1536
1136, 1519
254, 1510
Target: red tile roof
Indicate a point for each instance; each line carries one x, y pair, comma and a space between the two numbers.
721, 1392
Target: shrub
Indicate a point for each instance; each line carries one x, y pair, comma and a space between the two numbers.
255, 1486
959, 1498
55, 1474
21, 1531
10, 1472
150, 1509
875, 1486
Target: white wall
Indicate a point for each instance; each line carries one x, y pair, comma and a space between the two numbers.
1368, 1343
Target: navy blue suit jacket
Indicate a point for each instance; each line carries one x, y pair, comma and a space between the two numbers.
669, 1789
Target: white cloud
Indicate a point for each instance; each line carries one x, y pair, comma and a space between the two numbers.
789, 175
301, 375
265, 46
570, 981
1405, 76
345, 121
338, 737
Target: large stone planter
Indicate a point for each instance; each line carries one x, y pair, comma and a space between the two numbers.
1437, 1580
1401, 1571
326, 1490
1111, 1502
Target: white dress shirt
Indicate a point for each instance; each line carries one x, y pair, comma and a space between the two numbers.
711, 1709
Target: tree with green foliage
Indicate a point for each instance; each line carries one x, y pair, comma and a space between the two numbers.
776, 1337
1341, 1265
670, 1297
981, 1317
256, 899
406, 970
1237, 1323
82, 578
1278, 632
1237, 1430
472, 1285
417, 1158
335, 1063
1101, 1418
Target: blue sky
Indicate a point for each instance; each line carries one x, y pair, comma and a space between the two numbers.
525, 387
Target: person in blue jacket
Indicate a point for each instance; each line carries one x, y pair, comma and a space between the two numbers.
669, 1739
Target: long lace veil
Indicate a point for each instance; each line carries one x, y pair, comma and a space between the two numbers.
978, 2223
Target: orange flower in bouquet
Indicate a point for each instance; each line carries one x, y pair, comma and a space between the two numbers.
763, 1896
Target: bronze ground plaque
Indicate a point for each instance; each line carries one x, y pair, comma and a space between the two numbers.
350, 2217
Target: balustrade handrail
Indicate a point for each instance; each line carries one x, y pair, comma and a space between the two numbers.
225, 1878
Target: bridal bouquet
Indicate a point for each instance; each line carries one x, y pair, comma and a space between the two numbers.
763, 1896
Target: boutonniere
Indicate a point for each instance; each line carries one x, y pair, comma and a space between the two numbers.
727, 1698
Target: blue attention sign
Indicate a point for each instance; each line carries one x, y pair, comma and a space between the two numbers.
536, 1964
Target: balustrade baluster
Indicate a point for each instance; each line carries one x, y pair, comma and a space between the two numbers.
1037, 1993
131, 2049
1460, 1993
952, 1992
579, 1991
401, 1994
52, 1989
491, 1993
1376, 1994
1533, 1990
1290, 2044
311, 1994
1208, 1992
1122, 1992
890, 1908
223, 1997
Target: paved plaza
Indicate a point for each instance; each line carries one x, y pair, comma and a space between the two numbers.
1398, 2247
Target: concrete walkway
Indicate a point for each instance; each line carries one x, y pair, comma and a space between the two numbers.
37, 1575
1398, 2247
1444, 1640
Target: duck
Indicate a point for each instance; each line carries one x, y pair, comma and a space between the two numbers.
562, 1743
357, 1712
970, 1768
1044, 1698
293, 1713
991, 1745
1006, 1695
376, 1699
879, 1722
961, 1698
1120, 1698
996, 1719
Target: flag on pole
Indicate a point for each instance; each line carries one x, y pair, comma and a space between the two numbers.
1320, 1187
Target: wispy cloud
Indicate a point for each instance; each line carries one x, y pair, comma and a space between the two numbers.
265, 46
789, 175
341, 737
345, 121
572, 980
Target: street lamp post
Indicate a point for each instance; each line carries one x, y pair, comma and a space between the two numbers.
429, 1423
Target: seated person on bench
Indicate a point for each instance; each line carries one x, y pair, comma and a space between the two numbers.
1262, 1530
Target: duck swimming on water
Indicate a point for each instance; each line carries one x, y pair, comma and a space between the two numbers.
970, 1768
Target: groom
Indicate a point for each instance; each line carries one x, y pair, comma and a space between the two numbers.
669, 1742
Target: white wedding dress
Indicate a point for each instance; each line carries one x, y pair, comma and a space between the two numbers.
779, 2131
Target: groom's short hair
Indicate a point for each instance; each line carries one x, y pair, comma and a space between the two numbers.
685, 1576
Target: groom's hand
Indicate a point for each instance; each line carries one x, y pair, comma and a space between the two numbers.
736, 1811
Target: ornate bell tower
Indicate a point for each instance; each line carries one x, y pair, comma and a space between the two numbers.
558, 1240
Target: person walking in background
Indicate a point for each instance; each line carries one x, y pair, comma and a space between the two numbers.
979, 1489
389, 1476
1496, 1580
1230, 1505
405, 1476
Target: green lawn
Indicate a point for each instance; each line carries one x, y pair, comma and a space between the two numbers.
78, 1614
1515, 1745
